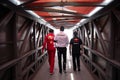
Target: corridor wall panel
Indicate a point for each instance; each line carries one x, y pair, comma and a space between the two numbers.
21, 39
6, 36
101, 44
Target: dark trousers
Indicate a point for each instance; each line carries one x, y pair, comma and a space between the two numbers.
62, 53
76, 61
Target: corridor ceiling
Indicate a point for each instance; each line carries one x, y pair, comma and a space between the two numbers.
65, 13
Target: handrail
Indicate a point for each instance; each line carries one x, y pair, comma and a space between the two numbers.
14, 61
113, 62
95, 65
33, 63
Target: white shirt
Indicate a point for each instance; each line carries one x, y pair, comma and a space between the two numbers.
62, 39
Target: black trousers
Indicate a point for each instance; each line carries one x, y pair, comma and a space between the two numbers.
76, 61
62, 54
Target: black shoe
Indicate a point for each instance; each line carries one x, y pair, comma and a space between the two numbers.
78, 69
60, 72
64, 71
74, 69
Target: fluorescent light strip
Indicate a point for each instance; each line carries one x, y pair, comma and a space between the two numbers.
106, 2
16, 2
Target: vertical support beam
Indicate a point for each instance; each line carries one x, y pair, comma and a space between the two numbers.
39, 37
101, 39
92, 35
15, 31
91, 43
42, 33
110, 51
81, 35
110, 68
34, 35
35, 42
25, 39
92, 40
87, 36
17, 67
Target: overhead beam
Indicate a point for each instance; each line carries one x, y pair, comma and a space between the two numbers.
64, 19
61, 21
53, 10
64, 16
51, 4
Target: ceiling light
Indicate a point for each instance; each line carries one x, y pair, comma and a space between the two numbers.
16, 2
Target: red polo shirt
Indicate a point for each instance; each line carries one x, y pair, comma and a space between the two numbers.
49, 41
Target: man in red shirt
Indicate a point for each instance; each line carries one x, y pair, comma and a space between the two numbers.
49, 41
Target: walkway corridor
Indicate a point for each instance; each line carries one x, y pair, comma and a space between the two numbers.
43, 73
25, 23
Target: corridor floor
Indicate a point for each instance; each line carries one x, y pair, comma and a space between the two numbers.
43, 73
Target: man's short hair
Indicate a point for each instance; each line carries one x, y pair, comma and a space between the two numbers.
75, 33
61, 28
51, 31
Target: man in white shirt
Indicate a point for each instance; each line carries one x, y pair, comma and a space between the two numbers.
61, 43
